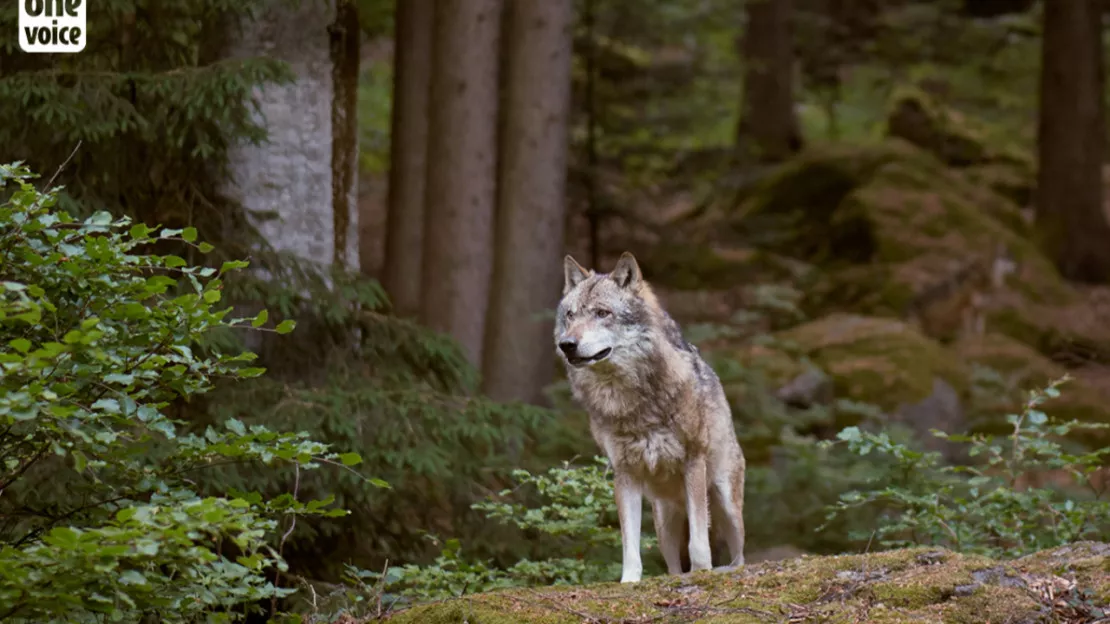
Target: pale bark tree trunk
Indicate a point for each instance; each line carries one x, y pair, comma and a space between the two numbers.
519, 358
461, 171
768, 130
1071, 137
412, 72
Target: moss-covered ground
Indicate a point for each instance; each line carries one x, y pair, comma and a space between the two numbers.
1067, 584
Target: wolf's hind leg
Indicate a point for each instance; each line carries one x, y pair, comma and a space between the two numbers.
728, 499
697, 512
669, 520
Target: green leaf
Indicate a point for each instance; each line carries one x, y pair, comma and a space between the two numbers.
132, 577
236, 426
21, 344
260, 319
173, 262
139, 230
350, 459
79, 461
99, 217
189, 234
211, 296
232, 265
285, 326
107, 405
205, 248
120, 378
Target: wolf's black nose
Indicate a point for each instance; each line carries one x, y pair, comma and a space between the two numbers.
568, 346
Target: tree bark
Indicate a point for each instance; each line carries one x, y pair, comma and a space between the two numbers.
519, 358
768, 130
412, 72
345, 38
461, 172
1071, 135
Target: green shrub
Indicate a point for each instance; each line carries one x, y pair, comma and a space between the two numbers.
99, 344
994, 504
576, 520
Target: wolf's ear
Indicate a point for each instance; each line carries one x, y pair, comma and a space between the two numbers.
627, 272
573, 273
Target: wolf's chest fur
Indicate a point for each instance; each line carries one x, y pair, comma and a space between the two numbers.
638, 432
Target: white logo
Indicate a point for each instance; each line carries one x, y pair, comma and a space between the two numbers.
52, 25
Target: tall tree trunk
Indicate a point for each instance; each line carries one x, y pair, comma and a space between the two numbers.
346, 40
518, 359
461, 172
768, 129
1071, 135
412, 73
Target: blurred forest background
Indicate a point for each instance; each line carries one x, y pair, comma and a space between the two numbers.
875, 216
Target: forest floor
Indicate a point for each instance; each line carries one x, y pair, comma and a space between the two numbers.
1068, 584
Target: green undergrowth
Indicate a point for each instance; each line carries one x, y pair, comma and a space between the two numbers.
101, 342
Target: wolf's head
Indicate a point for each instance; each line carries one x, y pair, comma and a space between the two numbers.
603, 317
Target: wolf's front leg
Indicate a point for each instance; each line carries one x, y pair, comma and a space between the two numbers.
697, 511
630, 500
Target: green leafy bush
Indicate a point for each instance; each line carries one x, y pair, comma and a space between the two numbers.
1002, 502
99, 344
577, 519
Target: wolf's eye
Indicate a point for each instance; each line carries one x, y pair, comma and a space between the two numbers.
569, 313
602, 313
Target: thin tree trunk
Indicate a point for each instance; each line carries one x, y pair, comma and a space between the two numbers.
412, 72
461, 172
593, 212
346, 38
519, 358
1071, 135
768, 130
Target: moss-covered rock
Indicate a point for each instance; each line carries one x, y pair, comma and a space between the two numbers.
877, 360
1022, 365
910, 585
896, 233
1072, 326
1022, 369
689, 266
954, 138
799, 210
917, 117
1012, 180
858, 203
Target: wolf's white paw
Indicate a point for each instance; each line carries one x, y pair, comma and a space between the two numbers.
631, 576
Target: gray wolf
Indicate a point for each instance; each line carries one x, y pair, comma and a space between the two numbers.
657, 411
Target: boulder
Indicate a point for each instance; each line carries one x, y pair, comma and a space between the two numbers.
704, 266
917, 117
955, 139
1021, 369
896, 233
877, 360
